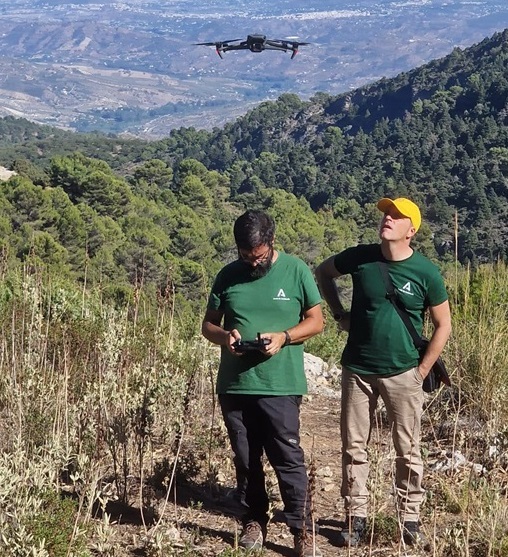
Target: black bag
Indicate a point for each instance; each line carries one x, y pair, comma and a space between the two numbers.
438, 373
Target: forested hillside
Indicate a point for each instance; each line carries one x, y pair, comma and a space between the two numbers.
165, 229
134, 212
437, 133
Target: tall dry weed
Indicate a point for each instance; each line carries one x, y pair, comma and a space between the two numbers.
99, 393
470, 421
478, 349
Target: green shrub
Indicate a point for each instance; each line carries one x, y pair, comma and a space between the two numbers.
54, 526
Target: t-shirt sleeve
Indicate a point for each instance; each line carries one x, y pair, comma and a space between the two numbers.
215, 296
311, 294
346, 261
436, 293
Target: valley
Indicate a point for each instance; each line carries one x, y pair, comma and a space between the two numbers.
132, 67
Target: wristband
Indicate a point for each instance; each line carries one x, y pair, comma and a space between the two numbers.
288, 339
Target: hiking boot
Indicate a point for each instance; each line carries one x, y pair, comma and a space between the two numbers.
353, 531
253, 536
412, 536
305, 546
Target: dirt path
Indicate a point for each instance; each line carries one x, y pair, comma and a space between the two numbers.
212, 523
205, 523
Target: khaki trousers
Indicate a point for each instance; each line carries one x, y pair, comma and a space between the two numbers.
403, 398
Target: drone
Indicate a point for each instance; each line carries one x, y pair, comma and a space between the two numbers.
255, 43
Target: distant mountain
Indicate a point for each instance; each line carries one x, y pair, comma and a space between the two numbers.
437, 133
132, 66
458, 73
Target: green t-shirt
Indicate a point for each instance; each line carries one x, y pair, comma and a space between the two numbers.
272, 303
378, 341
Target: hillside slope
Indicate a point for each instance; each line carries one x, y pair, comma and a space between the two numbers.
437, 134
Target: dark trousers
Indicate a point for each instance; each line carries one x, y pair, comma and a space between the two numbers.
270, 423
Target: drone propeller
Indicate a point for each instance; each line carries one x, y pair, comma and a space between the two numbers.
289, 43
218, 43
294, 47
286, 44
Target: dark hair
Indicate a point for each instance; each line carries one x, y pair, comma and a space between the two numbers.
253, 229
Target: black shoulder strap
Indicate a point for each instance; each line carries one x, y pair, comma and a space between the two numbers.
391, 294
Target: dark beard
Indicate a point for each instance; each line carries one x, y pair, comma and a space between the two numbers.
261, 270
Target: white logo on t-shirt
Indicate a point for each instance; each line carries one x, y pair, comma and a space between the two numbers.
281, 295
406, 289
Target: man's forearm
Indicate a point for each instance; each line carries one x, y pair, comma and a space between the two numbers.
441, 319
306, 329
330, 293
434, 348
326, 275
215, 333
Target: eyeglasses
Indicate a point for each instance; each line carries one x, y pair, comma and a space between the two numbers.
251, 257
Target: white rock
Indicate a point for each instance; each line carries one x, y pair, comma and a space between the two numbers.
321, 378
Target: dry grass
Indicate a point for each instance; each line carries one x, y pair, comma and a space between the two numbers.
104, 404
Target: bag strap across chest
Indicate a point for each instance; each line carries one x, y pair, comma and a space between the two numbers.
392, 295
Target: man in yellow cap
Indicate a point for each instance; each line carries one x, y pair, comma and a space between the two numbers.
380, 359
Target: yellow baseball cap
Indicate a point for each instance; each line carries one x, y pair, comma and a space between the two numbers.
405, 207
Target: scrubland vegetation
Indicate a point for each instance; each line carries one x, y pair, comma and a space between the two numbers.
107, 404
469, 422
96, 402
